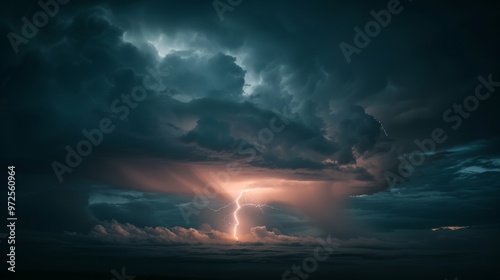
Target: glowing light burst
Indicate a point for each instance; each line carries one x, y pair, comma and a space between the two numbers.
238, 207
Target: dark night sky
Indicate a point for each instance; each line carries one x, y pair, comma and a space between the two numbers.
212, 88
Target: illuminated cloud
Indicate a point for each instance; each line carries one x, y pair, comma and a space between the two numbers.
115, 232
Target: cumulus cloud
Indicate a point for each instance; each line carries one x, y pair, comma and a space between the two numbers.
201, 113
127, 233
116, 232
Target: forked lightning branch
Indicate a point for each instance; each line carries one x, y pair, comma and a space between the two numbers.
237, 201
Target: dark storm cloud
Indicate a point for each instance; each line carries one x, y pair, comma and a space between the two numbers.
195, 76
103, 67
210, 133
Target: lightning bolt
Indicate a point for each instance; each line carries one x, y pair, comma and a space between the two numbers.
242, 193
235, 215
382, 127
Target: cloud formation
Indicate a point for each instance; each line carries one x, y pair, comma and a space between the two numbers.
322, 167
115, 232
